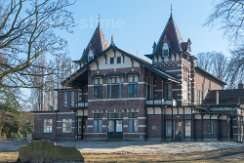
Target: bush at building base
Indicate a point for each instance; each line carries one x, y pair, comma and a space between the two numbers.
44, 151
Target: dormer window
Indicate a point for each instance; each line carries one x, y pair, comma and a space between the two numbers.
165, 50
90, 56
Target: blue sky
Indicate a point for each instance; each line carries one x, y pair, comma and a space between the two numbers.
136, 24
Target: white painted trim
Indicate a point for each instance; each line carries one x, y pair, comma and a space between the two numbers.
125, 126
94, 133
117, 99
142, 117
134, 133
90, 118
60, 113
142, 126
89, 126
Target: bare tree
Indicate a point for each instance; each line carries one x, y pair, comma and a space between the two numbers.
219, 65
27, 31
230, 16
43, 97
215, 63
236, 68
204, 60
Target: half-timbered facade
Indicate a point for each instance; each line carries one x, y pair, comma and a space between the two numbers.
116, 95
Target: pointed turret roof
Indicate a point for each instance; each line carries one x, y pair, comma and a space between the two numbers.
97, 44
172, 34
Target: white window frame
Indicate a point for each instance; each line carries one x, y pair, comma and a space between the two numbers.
65, 99
212, 127
169, 132
48, 126
187, 128
67, 126
72, 100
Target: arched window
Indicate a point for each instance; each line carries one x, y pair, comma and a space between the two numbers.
165, 50
90, 56
210, 127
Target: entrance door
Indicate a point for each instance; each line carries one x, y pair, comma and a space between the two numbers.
178, 131
115, 129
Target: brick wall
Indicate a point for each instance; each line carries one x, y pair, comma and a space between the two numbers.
57, 126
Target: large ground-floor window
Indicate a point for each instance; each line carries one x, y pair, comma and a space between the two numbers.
97, 123
169, 128
132, 122
97, 126
188, 128
115, 126
48, 125
67, 126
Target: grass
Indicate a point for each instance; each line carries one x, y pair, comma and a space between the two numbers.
227, 155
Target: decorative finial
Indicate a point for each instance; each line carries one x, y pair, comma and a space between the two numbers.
98, 19
112, 40
171, 9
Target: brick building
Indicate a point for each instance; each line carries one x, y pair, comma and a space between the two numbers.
116, 95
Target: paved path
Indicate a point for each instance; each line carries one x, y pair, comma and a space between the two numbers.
131, 147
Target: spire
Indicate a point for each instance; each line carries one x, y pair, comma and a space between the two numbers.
98, 20
171, 10
172, 35
97, 44
112, 40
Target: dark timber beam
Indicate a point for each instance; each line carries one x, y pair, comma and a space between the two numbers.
183, 119
172, 123
202, 115
218, 128
192, 125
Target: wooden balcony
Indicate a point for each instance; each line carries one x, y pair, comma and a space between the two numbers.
161, 102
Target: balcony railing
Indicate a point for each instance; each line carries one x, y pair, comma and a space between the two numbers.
80, 105
164, 102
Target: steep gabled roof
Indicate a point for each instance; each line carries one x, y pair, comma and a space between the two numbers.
82, 72
97, 44
202, 71
172, 33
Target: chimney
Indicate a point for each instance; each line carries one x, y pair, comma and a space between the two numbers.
217, 97
240, 86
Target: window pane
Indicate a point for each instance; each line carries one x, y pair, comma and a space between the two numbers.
130, 125
115, 91
95, 126
168, 128
210, 127
188, 128
65, 99
169, 91
67, 126
100, 126
135, 125
110, 126
111, 60
119, 126
118, 60
98, 92
135, 79
48, 126
72, 99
